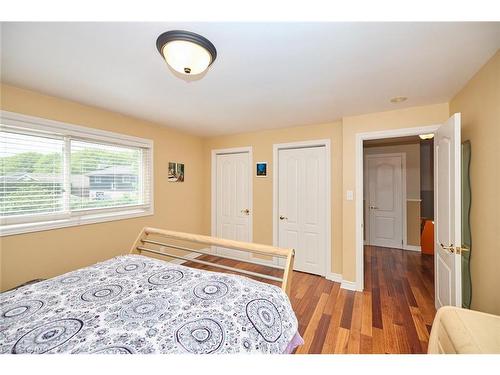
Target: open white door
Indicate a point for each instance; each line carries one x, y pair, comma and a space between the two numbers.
447, 195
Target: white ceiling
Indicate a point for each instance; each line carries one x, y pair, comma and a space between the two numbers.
267, 75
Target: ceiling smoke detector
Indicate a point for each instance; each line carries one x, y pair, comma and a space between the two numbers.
398, 99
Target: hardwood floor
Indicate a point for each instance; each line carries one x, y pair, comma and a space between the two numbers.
392, 315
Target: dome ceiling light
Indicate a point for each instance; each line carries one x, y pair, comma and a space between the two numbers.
186, 52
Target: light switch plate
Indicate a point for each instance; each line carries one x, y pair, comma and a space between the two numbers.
350, 195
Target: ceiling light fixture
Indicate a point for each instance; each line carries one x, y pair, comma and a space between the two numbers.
186, 52
426, 136
398, 99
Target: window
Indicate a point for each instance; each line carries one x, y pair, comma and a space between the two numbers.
55, 175
31, 179
99, 169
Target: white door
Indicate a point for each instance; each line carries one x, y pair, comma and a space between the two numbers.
233, 211
302, 206
384, 200
447, 218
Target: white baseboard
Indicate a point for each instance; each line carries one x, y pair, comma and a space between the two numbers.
412, 248
337, 277
349, 285
344, 284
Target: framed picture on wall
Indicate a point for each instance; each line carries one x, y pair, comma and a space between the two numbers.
261, 169
175, 172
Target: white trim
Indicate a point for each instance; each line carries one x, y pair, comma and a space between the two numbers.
89, 218
349, 285
344, 284
335, 277
328, 230
404, 224
413, 200
36, 223
360, 137
412, 248
213, 187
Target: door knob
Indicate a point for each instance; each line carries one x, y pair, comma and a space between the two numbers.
373, 208
245, 211
455, 250
283, 217
464, 249
450, 248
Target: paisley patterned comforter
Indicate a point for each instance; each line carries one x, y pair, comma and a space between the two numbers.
135, 304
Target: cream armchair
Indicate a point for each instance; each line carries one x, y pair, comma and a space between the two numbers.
461, 331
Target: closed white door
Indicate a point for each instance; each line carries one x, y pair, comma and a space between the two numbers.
302, 206
233, 211
384, 201
448, 210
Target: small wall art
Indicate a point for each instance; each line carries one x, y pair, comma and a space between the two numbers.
175, 172
261, 169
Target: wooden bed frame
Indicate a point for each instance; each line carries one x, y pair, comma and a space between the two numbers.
145, 238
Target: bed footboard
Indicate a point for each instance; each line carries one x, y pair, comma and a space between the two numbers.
156, 241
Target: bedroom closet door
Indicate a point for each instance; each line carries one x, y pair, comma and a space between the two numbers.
233, 211
302, 206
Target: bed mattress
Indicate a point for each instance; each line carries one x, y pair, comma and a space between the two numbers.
136, 304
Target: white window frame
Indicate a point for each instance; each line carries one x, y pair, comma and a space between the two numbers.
42, 222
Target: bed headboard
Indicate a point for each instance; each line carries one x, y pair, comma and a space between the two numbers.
155, 241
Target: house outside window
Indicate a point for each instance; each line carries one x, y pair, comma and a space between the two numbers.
54, 174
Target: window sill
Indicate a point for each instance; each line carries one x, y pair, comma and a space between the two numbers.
87, 218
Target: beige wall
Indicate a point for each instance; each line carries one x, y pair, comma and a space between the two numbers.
262, 144
413, 223
177, 205
403, 118
186, 206
342, 135
412, 154
479, 103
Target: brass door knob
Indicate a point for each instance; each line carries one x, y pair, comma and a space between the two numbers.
450, 249
464, 249
283, 217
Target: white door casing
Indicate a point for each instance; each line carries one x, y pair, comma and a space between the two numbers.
233, 211
447, 216
302, 206
384, 200
358, 284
